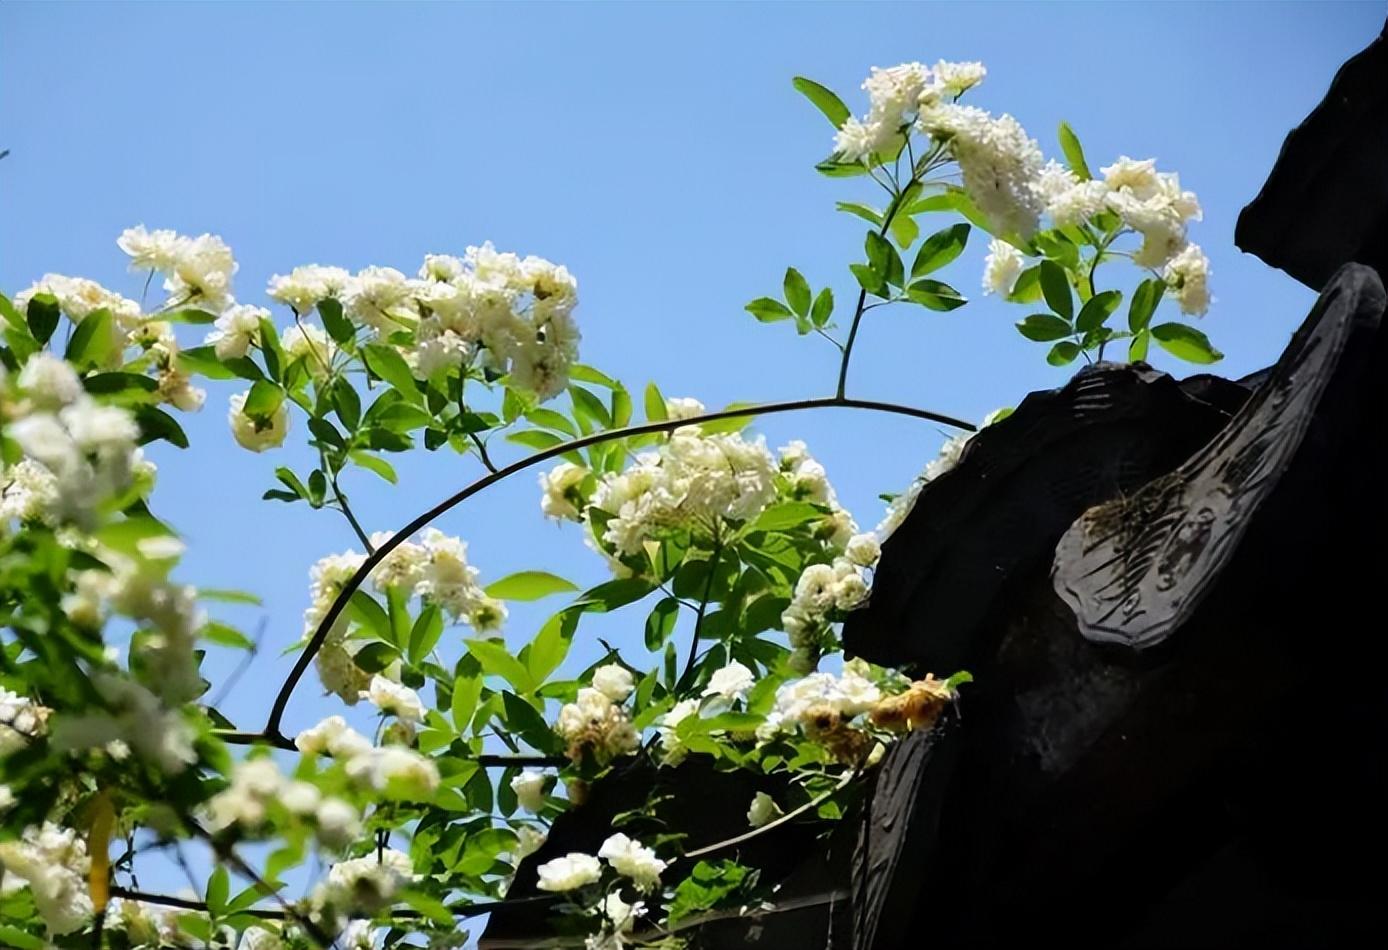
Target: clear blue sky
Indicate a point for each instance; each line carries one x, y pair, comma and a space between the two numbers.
657, 150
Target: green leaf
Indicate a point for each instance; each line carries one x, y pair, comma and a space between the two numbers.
371, 615
655, 404
14, 937
227, 596
1186, 343
934, 295
939, 249
1137, 349
883, 258
549, 419
1063, 353
551, 645
218, 888
432, 907
94, 342
374, 463
788, 514
387, 363
614, 593
466, 691
203, 360
270, 349
869, 279
871, 215
375, 657
823, 308
427, 629
797, 291
1144, 303
586, 374
832, 168
1027, 289
1097, 309
158, 424
1074, 155
338, 326
904, 230
496, 660
535, 439
768, 310
43, 315
824, 100
525, 721
1044, 327
590, 407
263, 400
226, 636
529, 585
1055, 287
191, 316
660, 623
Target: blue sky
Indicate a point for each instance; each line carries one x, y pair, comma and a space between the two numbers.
656, 150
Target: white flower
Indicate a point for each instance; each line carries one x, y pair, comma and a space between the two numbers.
959, 77
562, 495
614, 681
669, 739
200, 273
999, 161
1189, 273
393, 698
380, 298
364, 884
21, 721
332, 737
683, 407
304, 287
632, 859
258, 434
338, 823
529, 787
235, 331
245, 802
136, 717
572, 871
730, 682
863, 550
50, 382
594, 725
1001, 268
149, 250
395, 771
79, 297
309, 343
54, 861
30, 492
763, 810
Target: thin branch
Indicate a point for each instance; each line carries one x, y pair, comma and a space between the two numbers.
272, 726
681, 684
346, 509
270, 913
483, 760
815, 802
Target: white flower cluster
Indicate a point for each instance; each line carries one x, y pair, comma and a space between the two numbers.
896, 97
627, 857
79, 298
21, 720
1000, 163
515, 313
393, 770
394, 699
363, 885
804, 702
82, 454
726, 687
53, 861
134, 718
807, 480
693, 481
435, 568
197, 270
596, 724
257, 785
561, 492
